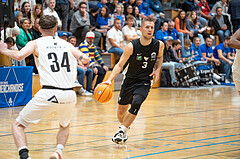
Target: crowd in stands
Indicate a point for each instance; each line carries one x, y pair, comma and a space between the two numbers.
115, 23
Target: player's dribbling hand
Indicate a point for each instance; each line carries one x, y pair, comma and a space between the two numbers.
156, 74
108, 82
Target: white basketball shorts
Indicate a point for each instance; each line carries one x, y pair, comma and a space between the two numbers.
47, 101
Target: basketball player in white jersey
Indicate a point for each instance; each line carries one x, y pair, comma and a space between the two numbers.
141, 54
57, 67
235, 43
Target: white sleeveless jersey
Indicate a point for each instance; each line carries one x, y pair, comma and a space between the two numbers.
56, 64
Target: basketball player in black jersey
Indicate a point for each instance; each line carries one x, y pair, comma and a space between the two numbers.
141, 55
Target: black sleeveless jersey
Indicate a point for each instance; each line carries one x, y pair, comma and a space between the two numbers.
142, 60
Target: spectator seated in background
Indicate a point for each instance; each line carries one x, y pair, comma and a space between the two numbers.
63, 35
221, 24
137, 20
220, 4
176, 48
207, 52
98, 68
11, 32
162, 33
36, 13
119, 15
222, 52
205, 9
181, 25
189, 5
114, 42
80, 22
112, 6
72, 40
196, 51
172, 31
170, 62
156, 7
102, 3
128, 31
50, 11
234, 12
194, 26
26, 11
186, 51
145, 11
94, 26
35, 30
104, 21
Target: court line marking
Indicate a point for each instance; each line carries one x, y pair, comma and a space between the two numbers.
211, 154
186, 148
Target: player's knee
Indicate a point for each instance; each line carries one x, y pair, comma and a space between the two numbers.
136, 104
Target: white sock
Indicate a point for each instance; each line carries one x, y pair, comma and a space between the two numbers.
123, 128
22, 147
60, 148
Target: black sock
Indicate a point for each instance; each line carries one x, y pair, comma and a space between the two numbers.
23, 153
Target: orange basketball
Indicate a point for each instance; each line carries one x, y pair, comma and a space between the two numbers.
103, 93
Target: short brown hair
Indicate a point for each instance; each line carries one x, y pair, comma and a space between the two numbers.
47, 22
187, 42
147, 20
130, 17
175, 42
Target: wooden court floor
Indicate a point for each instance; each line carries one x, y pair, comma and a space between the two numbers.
172, 124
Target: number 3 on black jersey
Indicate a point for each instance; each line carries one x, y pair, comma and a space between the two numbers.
55, 66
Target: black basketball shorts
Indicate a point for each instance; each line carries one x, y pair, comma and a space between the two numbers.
128, 91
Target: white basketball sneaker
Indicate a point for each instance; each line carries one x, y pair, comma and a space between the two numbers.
118, 137
56, 155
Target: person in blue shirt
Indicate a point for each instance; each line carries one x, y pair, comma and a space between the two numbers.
186, 50
172, 31
103, 18
145, 11
207, 51
222, 52
196, 51
102, 3
162, 33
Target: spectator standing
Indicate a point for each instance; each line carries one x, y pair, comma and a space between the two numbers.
221, 24
62, 9
50, 11
114, 42
234, 11
223, 53
129, 33
80, 22
89, 48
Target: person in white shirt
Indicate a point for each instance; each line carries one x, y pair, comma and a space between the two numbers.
50, 11
56, 61
114, 42
129, 33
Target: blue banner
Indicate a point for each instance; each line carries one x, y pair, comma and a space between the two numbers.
15, 85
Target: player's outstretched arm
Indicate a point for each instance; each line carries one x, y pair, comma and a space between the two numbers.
18, 55
79, 55
235, 40
119, 66
156, 73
